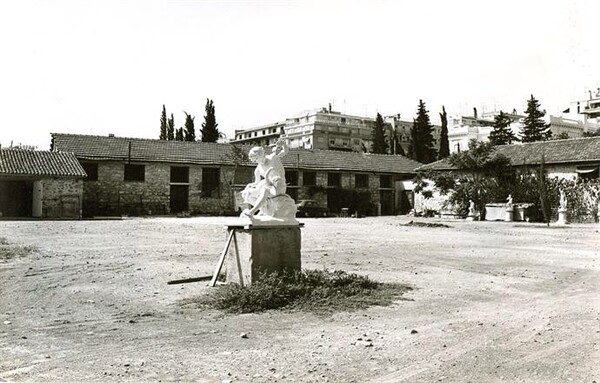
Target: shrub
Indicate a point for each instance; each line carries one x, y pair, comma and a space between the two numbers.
308, 290
9, 251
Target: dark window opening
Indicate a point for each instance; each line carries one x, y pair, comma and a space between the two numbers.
180, 174
361, 180
310, 178
135, 172
243, 175
334, 179
587, 172
91, 169
385, 181
210, 182
291, 177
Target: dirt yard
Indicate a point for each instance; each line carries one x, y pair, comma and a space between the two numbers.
491, 302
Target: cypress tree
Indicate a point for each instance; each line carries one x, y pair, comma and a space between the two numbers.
502, 134
444, 143
179, 135
209, 131
421, 145
190, 130
379, 143
163, 124
171, 128
534, 129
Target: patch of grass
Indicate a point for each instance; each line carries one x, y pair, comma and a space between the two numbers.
426, 224
306, 290
9, 251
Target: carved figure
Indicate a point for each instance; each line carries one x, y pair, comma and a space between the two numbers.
563, 200
471, 208
509, 201
266, 194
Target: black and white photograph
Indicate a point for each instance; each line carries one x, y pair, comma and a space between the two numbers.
300, 191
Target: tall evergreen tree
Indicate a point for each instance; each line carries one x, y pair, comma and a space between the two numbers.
163, 124
421, 145
502, 134
444, 143
190, 130
179, 136
379, 144
171, 128
534, 128
210, 133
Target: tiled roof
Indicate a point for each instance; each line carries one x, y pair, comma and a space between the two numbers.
576, 150
146, 150
39, 163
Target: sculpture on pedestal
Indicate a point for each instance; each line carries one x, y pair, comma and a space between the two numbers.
267, 194
563, 200
509, 202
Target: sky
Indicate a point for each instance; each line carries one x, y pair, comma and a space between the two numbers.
101, 67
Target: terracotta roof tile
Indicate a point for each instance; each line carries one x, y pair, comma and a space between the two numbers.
39, 163
146, 150
576, 150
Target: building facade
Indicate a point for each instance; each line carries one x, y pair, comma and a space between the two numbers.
40, 184
149, 177
326, 129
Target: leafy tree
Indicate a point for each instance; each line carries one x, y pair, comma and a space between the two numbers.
163, 124
421, 146
444, 143
592, 134
502, 134
179, 136
190, 130
481, 176
561, 136
534, 129
171, 128
379, 143
210, 133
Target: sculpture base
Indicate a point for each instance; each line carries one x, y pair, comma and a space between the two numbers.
262, 248
471, 217
508, 215
562, 217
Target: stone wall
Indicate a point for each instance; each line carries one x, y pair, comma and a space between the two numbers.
112, 195
61, 198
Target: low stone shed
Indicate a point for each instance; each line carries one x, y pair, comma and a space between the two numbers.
40, 184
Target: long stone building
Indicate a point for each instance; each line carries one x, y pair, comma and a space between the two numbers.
147, 177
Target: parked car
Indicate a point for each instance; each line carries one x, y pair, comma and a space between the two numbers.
310, 208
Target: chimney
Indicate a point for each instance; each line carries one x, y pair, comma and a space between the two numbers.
329, 107
475, 112
111, 134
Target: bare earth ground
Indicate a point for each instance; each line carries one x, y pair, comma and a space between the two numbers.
492, 302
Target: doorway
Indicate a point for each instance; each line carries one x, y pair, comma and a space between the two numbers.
179, 198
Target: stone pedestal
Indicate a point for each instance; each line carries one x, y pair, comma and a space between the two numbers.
562, 217
262, 248
508, 214
471, 217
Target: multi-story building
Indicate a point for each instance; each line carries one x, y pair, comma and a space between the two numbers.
264, 135
326, 129
463, 129
587, 109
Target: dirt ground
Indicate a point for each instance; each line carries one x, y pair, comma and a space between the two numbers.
492, 302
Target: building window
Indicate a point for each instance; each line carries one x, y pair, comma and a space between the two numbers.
361, 180
91, 169
210, 182
334, 179
291, 177
385, 181
343, 120
310, 178
134, 172
180, 174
